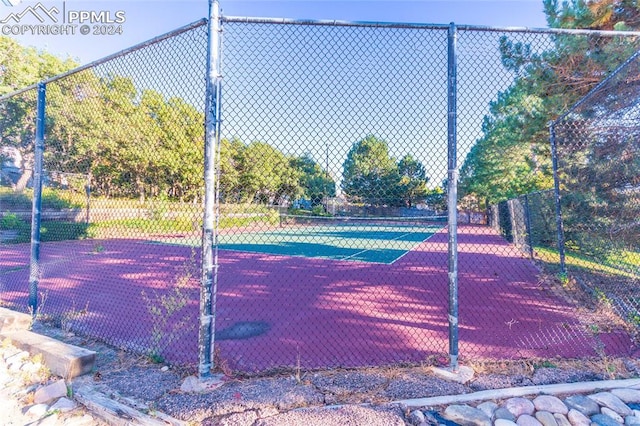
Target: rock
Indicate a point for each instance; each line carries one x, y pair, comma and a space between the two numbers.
503, 413
576, 418
466, 415
15, 361
519, 406
581, 403
37, 410
47, 393
551, 404
504, 422
417, 417
463, 375
194, 385
546, 418
488, 408
191, 384
626, 395
165, 368
603, 420
632, 421
561, 420
527, 420
86, 420
64, 405
609, 412
609, 400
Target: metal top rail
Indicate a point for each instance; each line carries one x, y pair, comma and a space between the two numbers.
337, 23
596, 89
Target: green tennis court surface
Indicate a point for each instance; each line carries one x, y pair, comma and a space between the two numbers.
370, 243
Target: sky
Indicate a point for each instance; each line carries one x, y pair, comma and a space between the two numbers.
332, 94
136, 21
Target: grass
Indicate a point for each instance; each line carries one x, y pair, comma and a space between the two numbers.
621, 264
119, 217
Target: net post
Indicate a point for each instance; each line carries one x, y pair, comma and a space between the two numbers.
34, 267
452, 184
208, 284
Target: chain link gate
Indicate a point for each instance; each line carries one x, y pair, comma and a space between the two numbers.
121, 179
328, 219
597, 172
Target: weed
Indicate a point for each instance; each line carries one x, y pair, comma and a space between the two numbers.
68, 318
563, 278
220, 364
39, 307
163, 307
156, 358
545, 364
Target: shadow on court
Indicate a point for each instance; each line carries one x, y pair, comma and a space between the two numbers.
276, 310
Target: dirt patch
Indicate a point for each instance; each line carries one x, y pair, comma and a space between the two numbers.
256, 399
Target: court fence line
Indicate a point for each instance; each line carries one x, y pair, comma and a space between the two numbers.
187, 192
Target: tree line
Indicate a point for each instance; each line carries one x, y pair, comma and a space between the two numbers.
136, 143
599, 163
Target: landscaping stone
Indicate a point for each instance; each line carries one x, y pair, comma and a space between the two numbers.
527, 420
632, 421
628, 396
50, 392
63, 405
519, 406
551, 404
489, 408
504, 422
607, 399
581, 403
609, 412
576, 418
546, 418
603, 420
37, 410
561, 420
466, 415
503, 413
417, 417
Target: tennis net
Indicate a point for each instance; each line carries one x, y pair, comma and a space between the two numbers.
287, 220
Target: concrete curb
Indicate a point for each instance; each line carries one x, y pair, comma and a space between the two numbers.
64, 360
558, 389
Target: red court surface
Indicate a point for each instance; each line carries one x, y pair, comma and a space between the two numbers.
275, 311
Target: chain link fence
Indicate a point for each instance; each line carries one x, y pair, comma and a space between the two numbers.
598, 175
332, 176
121, 178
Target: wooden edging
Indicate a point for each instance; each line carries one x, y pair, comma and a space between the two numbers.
496, 394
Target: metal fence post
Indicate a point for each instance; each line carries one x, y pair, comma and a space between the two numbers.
209, 231
527, 223
452, 97
34, 269
556, 192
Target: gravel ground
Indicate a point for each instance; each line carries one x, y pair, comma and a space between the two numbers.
344, 397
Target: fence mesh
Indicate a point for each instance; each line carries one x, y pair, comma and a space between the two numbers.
331, 195
123, 166
598, 173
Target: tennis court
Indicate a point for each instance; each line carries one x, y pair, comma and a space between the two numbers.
361, 239
289, 309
